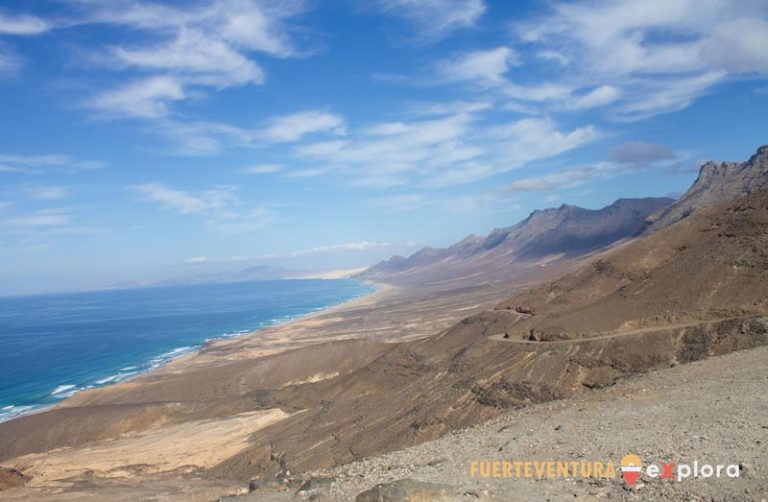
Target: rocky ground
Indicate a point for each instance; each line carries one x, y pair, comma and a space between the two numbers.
714, 411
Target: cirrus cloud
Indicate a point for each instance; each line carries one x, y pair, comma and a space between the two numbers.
658, 56
435, 19
197, 48
220, 208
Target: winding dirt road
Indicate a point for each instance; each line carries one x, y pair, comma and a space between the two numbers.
651, 329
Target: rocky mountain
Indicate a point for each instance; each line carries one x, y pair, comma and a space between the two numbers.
694, 290
711, 265
717, 182
543, 237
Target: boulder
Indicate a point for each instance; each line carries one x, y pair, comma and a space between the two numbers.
407, 490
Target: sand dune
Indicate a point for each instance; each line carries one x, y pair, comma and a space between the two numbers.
189, 446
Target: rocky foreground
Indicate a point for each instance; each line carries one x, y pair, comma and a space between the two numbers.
713, 411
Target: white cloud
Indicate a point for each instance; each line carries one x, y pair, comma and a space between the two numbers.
664, 96
488, 69
480, 67
562, 180
295, 126
220, 207
308, 172
185, 202
197, 47
553, 55
448, 108
35, 164
739, 46
250, 24
48, 192
205, 138
22, 25
263, 169
384, 154
512, 146
148, 98
434, 19
601, 96
544, 91
9, 169
190, 137
197, 58
536, 138
647, 57
199, 137
626, 157
195, 260
442, 151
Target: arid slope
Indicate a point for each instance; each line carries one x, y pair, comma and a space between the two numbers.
711, 266
419, 390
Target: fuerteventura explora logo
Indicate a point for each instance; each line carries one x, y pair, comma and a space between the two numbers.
631, 467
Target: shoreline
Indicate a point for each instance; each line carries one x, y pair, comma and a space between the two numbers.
186, 360
219, 389
189, 353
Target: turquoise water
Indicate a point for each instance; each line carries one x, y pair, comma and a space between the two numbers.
56, 345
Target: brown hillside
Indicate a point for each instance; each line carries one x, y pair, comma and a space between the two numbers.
711, 266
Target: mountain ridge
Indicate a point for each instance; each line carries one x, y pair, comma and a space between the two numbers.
553, 236
567, 231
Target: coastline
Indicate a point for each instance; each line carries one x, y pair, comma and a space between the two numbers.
220, 344
157, 364
224, 393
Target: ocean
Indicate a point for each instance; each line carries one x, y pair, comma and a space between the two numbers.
55, 345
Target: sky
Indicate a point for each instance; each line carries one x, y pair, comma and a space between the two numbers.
146, 141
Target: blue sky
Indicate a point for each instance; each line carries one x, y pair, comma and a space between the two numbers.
142, 141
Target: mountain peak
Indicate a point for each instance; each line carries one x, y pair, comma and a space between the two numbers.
713, 169
760, 157
554, 210
717, 182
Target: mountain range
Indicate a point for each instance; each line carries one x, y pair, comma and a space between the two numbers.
695, 289
542, 238
554, 237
